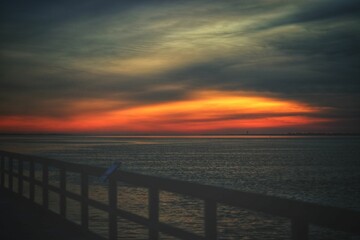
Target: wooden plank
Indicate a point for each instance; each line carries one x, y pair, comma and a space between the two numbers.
10, 161
153, 213
73, 196
84, 201
299, 229
20, 176
62, 196
179, 233
99, 205
71, 167
32, 181
45, 181
210, 218
112, 208
161, 227
2, 171
133, 217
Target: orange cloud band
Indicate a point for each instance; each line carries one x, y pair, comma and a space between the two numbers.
203, 112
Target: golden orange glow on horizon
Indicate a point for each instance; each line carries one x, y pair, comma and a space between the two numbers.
205, 111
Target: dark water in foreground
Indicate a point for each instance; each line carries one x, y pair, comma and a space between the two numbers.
323, 170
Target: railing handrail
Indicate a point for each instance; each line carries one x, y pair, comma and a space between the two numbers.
326, 216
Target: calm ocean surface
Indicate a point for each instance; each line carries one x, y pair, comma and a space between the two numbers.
324, 169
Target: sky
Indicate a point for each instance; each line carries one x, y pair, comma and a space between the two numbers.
179, 67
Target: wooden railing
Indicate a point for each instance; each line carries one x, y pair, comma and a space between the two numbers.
300, 214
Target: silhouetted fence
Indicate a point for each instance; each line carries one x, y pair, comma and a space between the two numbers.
300, 214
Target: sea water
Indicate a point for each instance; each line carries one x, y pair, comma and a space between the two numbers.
318, 169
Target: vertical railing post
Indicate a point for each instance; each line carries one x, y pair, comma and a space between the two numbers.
2, 171
153, 213
84, 200
210, 220
112, 208
10, 174
32, 181
45, 184
62, 196
20, 176
299, 229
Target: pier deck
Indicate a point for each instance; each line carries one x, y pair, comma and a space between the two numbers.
21, 219
21, 216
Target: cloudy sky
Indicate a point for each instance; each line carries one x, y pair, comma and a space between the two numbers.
179, 67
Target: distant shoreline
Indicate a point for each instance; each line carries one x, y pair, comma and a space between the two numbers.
180, 135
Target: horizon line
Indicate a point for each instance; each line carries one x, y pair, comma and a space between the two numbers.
204, 134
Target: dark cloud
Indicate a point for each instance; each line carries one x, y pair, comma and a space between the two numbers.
56, 52
322, 10
339, 43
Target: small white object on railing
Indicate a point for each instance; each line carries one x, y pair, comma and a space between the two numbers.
110, 171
